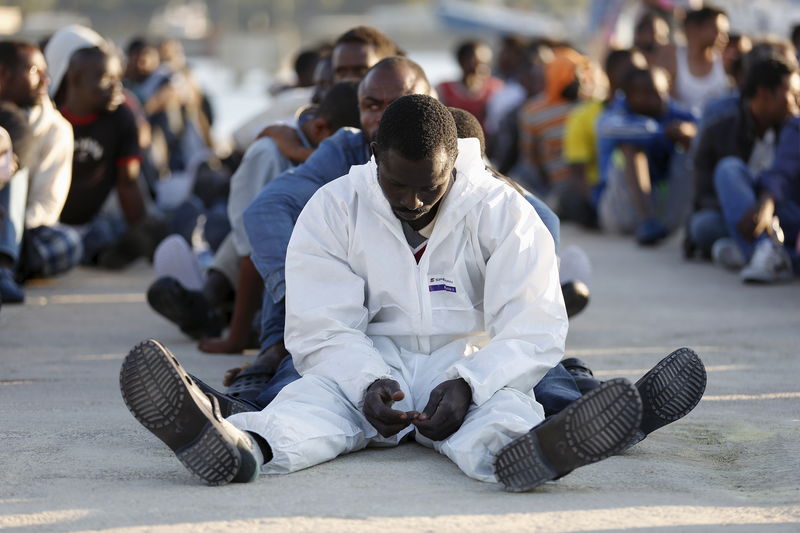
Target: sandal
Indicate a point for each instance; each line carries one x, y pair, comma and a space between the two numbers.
250, 382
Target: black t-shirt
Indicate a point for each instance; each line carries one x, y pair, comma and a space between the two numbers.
103, 143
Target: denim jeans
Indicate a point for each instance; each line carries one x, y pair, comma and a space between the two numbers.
736, 189
706, 226
555, 391
12, 214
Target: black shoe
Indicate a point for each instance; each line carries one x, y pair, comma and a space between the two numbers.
166, 401
189, 310
576, 296
671, 389
582, 374
228, 405
592, 428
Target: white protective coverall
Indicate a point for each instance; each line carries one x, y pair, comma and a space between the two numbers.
483, 304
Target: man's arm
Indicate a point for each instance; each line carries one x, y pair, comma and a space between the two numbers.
523, 305
51, 176
128, 161
780, 181
260, 165
130, 197
326, 315
270, 218
628, 128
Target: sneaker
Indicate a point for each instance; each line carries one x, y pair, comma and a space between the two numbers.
670, 390
725, 252
595, 426
165, 399
650, 231
175, 258
10, 291
189, 310
770, 263
576, 297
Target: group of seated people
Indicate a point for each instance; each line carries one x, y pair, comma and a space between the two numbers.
696, 136
89, 149
406, 289
104, 165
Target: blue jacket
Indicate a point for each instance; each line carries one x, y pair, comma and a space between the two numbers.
270, 218
618, 125
782, 179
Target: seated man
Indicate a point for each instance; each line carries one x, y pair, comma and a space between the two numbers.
106, 158
15, 143
48, 248
270, 218
645, 178
749, 132
198, 313
763, 214
378, 317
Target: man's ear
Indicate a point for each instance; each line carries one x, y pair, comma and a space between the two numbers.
373, 148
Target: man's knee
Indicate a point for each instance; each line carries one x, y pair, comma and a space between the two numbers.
706, 227
728, 167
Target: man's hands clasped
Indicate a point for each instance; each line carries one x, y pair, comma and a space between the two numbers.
443, 415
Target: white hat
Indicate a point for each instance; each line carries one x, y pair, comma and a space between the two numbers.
60, 48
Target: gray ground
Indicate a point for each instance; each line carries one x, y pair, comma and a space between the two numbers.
73, 458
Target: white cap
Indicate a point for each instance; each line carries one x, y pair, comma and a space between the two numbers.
60, 48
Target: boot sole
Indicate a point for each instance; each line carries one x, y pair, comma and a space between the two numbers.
595, 426
671, 389
163, 398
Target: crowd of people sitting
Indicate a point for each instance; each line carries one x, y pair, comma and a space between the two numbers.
106, 160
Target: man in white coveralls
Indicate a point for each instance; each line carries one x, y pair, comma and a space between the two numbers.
422, 296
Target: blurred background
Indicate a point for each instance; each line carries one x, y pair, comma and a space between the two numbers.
238, 49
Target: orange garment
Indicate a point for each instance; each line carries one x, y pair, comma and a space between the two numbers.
542, 119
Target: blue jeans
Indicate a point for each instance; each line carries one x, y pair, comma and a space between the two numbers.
706, 226
101, 233
555, 391
736, 189
12, 214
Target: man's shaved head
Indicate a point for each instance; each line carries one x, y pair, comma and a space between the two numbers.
387, 81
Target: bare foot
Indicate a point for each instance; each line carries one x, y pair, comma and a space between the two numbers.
269, 358
221, 345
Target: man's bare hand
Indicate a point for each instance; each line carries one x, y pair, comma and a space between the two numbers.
288, 142
447, 407
378, 402
757, 220
270, 359
681, 132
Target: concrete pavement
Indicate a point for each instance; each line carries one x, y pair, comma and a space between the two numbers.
74, 459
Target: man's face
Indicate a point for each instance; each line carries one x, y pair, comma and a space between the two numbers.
413, 188
649, 95
782, 102
142, 63
713, 32
100, 84
379, 89
477, 62
351, 61
26, 86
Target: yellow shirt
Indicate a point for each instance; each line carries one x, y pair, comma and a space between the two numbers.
580, 138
